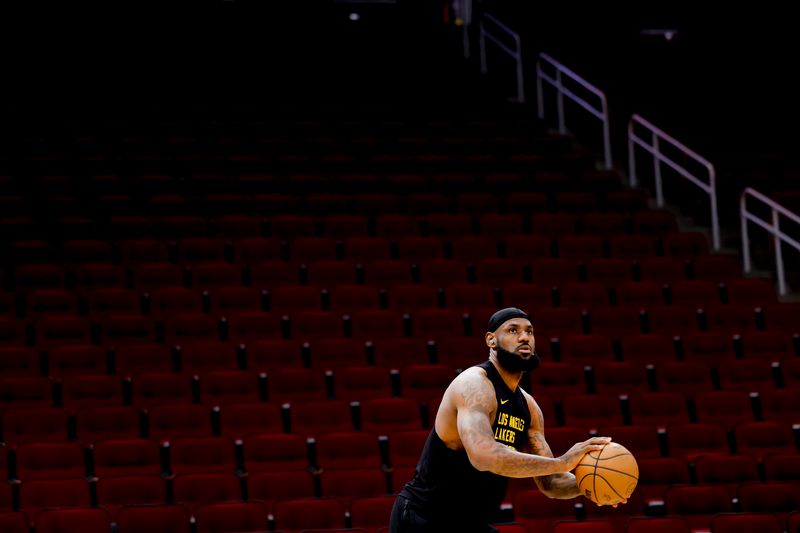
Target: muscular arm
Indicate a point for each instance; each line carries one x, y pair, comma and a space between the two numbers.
475, 399
562, 485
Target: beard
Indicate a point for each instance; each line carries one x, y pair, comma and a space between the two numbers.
515, 364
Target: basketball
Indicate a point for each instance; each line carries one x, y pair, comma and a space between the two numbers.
609, 475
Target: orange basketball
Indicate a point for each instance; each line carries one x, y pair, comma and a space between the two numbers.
609, 475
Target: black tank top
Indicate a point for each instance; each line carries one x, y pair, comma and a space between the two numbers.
451, 493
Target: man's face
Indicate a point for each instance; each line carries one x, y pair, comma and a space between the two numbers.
514, 345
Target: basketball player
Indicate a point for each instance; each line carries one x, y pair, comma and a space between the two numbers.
487, 429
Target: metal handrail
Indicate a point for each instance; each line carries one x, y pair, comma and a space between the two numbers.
773, 227
515, 54
467, 22
600, 113
652, 146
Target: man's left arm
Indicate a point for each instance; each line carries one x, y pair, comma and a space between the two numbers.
561, 486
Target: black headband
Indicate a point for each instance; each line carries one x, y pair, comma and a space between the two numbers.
502, 315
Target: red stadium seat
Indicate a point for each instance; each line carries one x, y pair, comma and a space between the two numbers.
347, 450
168, 421
647, 348
206, 356
386, 415
620, 377
15, 521
683, 377
691, 440
719, 268
39, 494
297, 384
559, 379
347, 484
658, 408
781, 405
592, 410
328, 354
685, 244
172, 518
726, 470
150, 389
116, 492
358, 383
275, 453
77, 359
537, 512
50, 460
77, 520
188, 455
727, 408
656, 474
267, 488
371, 512
240, 420
131, 360
21, 426
196, 489
300, 514
423, 382
780, 466
314, 418
764, 437
311, 325
665, 524
125, 457
225, 387
440, 272
18, 361
698, 504
89, 390
734, 522
230, 300
770, 497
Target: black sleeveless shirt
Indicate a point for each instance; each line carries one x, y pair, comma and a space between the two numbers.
446, 489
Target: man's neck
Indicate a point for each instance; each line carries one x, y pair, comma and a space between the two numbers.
509, 378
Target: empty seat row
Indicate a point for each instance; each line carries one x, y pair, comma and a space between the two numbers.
685, 508
604, 324
689, 247
689, 507
168, 420
476, 214
52, 514
401, 287
176, 415
390, 347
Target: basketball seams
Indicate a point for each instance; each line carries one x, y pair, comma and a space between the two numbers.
610, 486
614, 470
613, 456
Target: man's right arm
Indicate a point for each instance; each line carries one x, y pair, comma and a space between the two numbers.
475, 400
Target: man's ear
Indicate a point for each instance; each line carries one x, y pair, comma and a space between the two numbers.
491, 342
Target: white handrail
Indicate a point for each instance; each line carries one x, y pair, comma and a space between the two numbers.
600, 113
653, 148
773, 227
515, 54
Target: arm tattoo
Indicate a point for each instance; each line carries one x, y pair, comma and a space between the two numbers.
560, 486
477, 403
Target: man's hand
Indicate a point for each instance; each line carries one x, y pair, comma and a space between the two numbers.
576, 453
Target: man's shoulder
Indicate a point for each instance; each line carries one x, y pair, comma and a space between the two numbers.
472, 374
471, 380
